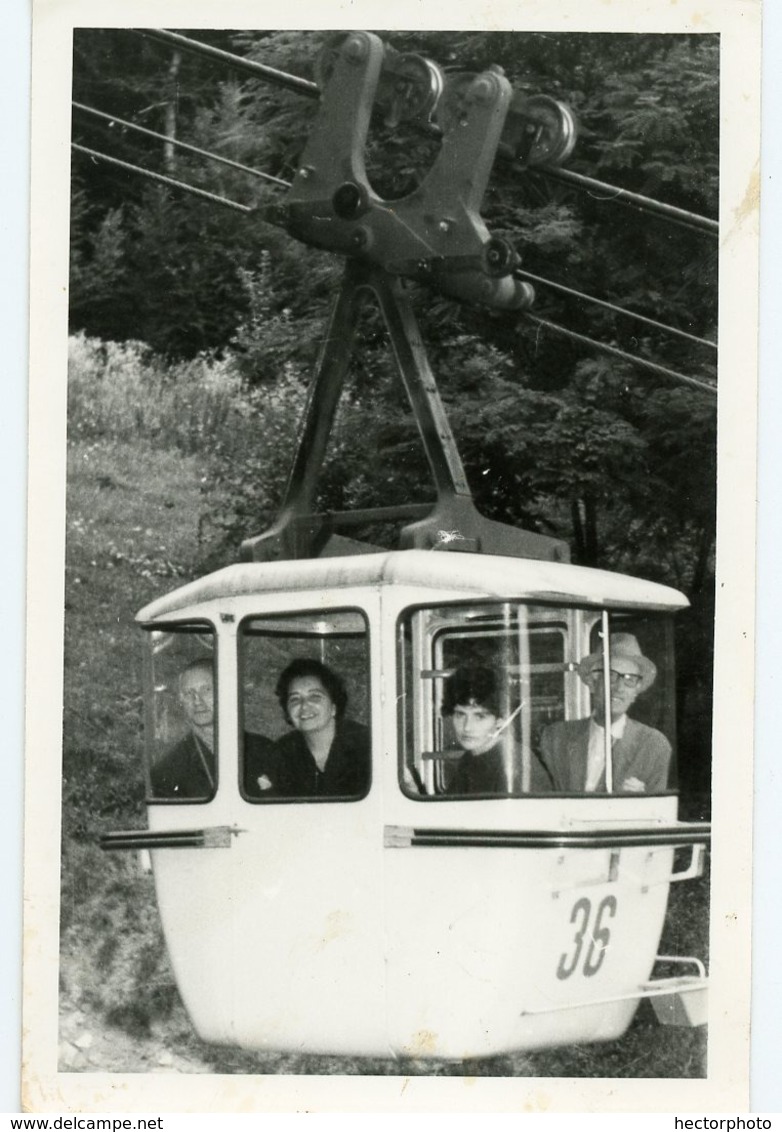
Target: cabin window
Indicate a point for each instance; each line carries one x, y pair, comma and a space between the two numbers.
181, 706
496, 701
304, 692
655, 706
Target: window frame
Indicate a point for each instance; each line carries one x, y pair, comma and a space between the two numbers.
293, 614
173, 627
563, 606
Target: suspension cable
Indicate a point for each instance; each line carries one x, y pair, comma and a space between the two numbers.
311, 90
647, 204
244, 208
202, 193
181, 145
257, 70
519, 273
613, 351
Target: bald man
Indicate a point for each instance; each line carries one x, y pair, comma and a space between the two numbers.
189, 769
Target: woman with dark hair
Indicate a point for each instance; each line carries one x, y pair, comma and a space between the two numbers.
471, 701
325, 753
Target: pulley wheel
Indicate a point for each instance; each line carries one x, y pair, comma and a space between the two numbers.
410, 87
539, 130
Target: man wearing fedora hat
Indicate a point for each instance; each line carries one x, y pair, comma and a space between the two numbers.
573, 752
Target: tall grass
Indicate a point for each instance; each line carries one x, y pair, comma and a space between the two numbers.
242, 435
125, 391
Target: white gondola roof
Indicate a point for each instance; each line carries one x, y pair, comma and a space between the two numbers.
468, 575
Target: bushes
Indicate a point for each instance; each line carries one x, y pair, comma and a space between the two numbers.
204, 407
124, 391
244, 434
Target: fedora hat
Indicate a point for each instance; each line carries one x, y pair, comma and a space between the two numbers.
621, 645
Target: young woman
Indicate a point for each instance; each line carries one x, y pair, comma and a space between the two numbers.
471, 702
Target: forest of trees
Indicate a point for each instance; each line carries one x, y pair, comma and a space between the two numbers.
619, 462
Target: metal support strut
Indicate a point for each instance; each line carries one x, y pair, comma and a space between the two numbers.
436, 234
454, 523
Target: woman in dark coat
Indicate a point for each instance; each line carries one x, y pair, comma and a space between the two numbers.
325, 754
471, 701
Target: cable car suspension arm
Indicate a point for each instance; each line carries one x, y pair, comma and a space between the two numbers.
436, 233
311, 90
278, 181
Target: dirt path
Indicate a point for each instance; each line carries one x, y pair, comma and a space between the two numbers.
88, 1045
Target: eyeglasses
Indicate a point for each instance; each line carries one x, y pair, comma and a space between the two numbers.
626, 679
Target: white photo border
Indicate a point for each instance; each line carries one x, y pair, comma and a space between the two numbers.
726, 1086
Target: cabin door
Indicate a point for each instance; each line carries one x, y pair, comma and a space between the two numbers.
273, 922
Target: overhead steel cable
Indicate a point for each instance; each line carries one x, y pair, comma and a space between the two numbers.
112, 118
213, 198
520, 273
614, 351
565, 176
625, 196
257, 70
303, 86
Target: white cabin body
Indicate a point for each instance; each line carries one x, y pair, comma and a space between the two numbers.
404, 918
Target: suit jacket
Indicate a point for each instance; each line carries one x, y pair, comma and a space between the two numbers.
642, 753
189, 769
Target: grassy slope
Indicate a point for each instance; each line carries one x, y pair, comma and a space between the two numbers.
132, 531
134, 515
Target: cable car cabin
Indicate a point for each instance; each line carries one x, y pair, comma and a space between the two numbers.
405, 896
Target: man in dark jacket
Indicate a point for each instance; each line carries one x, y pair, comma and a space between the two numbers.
189, 769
